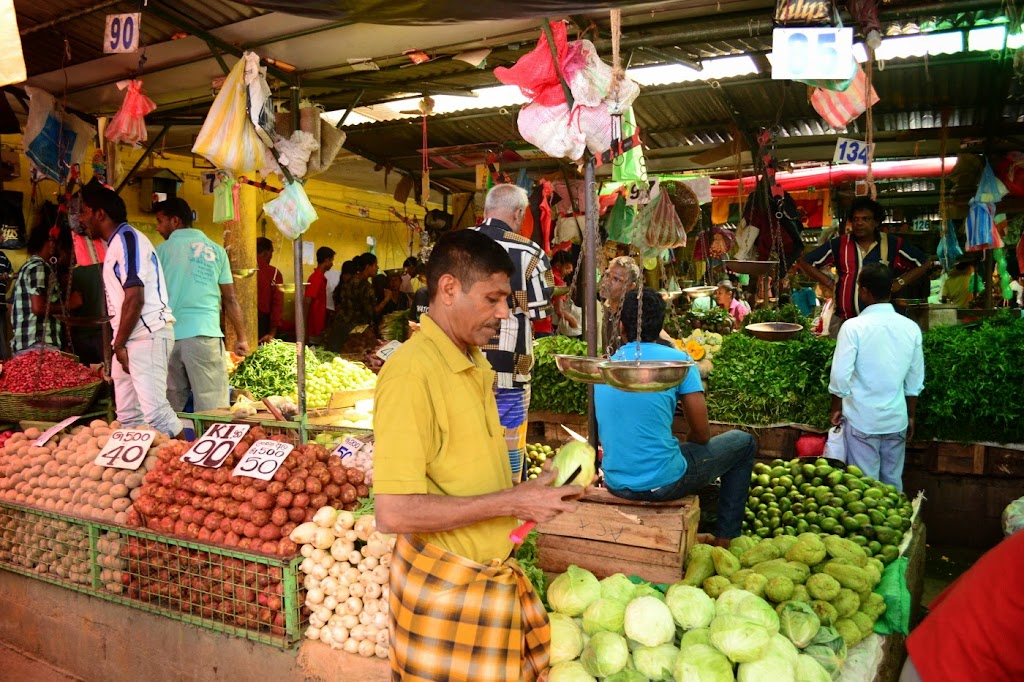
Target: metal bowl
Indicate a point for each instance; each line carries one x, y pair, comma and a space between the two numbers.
580, 368
669, 296
645, 376
697, 292
750, 267
244, 273
774, 331
289, 288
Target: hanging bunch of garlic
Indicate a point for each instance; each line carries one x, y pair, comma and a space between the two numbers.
346, 564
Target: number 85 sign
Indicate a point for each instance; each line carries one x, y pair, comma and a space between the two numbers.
812, 53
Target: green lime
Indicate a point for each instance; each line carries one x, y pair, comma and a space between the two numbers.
874, 492
884, 535
855, 506
854, 470
823, 471
840, 489
808, 470
812, 517
831, 512
850, 523
828, 524
813, 528
756, 491
764, 479
869, 502
802, 525
859, 539
862, 519
835, 478
780, 491
890, 553
762, 532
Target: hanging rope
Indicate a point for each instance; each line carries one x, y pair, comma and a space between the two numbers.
618, 73
869, 139
943, 141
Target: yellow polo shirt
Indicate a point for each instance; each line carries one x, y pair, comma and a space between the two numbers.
436, 431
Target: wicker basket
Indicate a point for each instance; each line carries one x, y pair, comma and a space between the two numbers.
686, 202
53, 405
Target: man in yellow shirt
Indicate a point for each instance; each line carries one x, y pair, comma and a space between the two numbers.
460, 608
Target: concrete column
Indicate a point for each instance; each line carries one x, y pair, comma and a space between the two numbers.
240, 242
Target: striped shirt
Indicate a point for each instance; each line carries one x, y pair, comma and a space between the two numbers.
35, 279
132, 262
846, 256
511, 351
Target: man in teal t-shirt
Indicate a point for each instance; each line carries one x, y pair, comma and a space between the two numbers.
642, 458
199, 284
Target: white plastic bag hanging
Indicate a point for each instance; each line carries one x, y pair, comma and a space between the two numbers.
228, 139
835, 444
292, 211
260, 103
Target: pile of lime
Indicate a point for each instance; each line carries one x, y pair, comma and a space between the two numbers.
536, 455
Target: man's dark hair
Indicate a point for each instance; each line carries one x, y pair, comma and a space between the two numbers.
867, 204
324, 253
175, 208
349, 267
653, 315
468, 256
98, 197
263, 245
37, 238
877, 279
561, 257
411, 262
368, 259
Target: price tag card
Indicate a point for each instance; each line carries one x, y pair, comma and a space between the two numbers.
851, 151
263, 459
122, 33
125, 449
824, 53
639, 193
387, 351
216, 444
53, 430
350, 446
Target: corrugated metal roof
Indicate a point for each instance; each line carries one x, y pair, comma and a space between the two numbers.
83, 29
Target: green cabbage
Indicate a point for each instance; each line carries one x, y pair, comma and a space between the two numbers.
566, 638
570, 671
648, 590
575, 454
702, 663
809, 670
604, 614
626, 675
649, 622
829, 649
573, 591
780, 646
618, 587
698, 636
655, 662
690, 606
749, 606
605, 654
799, 623
773, 668
740, 639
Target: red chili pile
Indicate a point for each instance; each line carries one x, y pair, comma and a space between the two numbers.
43, 371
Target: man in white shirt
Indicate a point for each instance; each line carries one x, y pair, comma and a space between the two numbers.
877, 374
139, 313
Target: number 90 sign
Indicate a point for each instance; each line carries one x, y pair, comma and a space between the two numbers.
122, 33
216, 444
125, 449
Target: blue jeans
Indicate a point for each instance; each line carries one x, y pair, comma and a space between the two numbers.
729, 456
879, 456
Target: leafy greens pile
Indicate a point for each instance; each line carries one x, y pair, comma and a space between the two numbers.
271, 369
552, 391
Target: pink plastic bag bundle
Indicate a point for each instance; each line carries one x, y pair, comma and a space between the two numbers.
535, 72
129, 123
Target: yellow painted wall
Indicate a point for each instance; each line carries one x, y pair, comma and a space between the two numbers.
340, 226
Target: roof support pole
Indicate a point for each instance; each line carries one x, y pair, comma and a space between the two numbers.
142, 159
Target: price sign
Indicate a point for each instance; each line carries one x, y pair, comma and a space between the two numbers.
122, 33
53, 430
125, 449
216, 444
263, 459
851, 151
812, 53
640, 193
349, 447
387, 351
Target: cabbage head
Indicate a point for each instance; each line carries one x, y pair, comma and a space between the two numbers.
749, 606
618, 587
649, 622
573, 591
809, 670
698, 636
780, 646
570, 671
604, 615
605, 654
799, 623
690, 606
655, 662
774, 668
648, 590
740, 639
829, 649
626, 675
566, 638
702, 663
575, 454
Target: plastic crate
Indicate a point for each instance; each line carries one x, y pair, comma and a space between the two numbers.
212, 587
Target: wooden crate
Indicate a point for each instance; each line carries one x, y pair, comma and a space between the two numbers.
957, 458
547, 426
607, 535
346, 399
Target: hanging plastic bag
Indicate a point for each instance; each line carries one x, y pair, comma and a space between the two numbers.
569, 228
1013, 517
840, 108
228, 139
835, 444
224, 200
292, 211
949, 247
631, 166
549, 128
657, 225
53, 140
620, 222
259, 99
591, 85
129, 123
535, 72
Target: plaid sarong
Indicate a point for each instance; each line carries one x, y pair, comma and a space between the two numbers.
456, 620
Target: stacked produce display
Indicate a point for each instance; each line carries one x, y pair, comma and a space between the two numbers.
44, 370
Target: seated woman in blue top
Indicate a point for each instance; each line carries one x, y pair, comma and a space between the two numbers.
642, 459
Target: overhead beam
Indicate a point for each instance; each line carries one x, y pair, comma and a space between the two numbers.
142, 159
67, 16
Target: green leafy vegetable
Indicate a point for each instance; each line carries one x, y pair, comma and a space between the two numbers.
551, 391
271, 369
